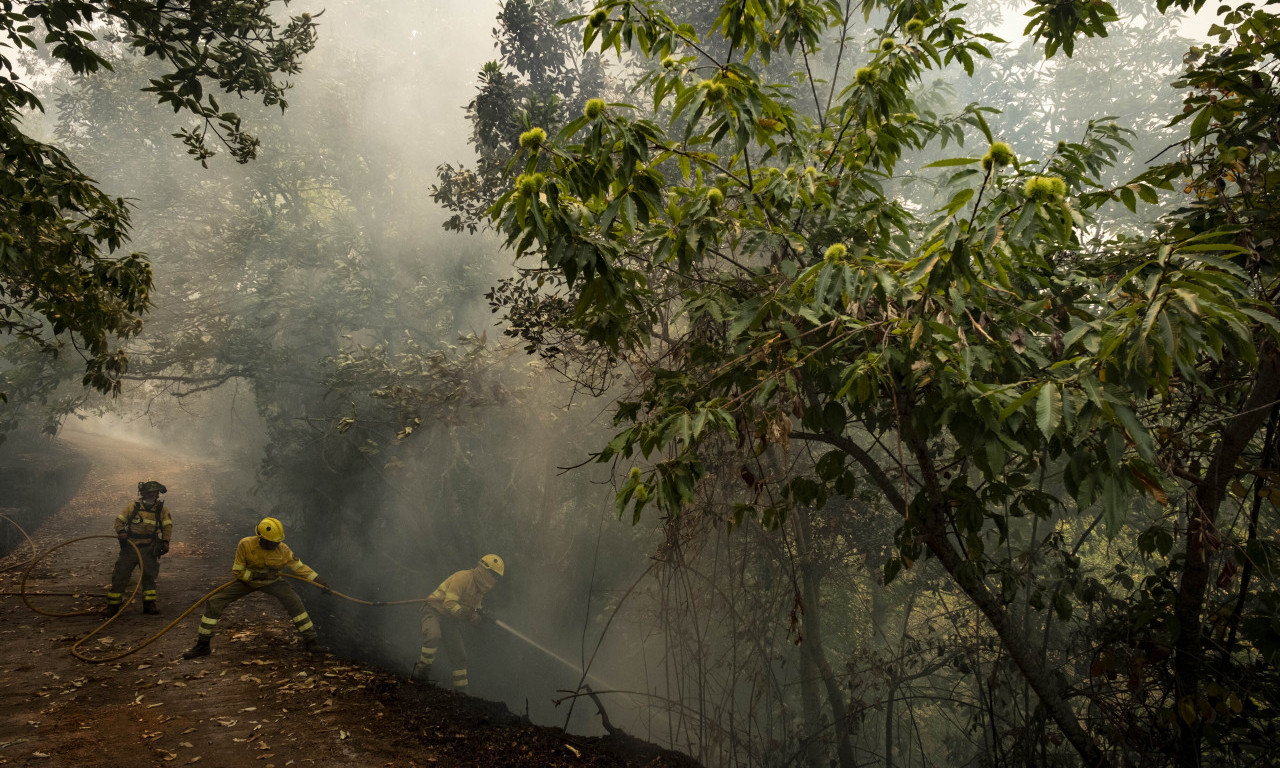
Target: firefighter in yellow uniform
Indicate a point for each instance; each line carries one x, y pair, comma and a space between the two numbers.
147, 524
259, 560
456, 600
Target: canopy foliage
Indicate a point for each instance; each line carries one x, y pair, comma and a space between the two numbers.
60, 275
747, 242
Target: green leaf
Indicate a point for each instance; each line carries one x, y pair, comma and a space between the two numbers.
1019, 401
953, 161
1048, 410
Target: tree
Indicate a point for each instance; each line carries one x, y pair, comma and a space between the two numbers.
742, 243
58, 272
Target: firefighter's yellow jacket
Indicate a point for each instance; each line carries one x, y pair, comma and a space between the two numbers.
462, 593
258, 567
144, 524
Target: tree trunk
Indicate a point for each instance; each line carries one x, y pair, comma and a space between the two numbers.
810, 703
1050, 689
888, 723
810, 578
1203, 543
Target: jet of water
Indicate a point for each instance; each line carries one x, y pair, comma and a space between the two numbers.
575, 667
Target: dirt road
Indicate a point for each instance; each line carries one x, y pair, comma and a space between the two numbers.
259, 700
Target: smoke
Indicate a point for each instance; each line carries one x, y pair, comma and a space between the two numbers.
270, 277
280, 281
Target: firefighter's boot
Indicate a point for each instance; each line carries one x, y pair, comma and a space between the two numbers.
201, 648
149, 606
111, 610
421, 673
314, 646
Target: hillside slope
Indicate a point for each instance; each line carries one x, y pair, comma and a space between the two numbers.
258, 700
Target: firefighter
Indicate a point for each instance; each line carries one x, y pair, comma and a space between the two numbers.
148, 525
456, 600
259, 559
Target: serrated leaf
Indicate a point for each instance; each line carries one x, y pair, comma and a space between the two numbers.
1048, 409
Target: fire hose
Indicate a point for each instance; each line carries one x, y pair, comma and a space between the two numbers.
35, 559
75, 649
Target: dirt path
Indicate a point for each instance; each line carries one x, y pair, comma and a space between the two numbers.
259, 700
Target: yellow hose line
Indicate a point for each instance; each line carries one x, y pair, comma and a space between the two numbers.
332, 591
75, 649
30, 543
22, 586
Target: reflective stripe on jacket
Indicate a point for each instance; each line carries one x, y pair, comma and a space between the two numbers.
251, 558
142, 523
462, 593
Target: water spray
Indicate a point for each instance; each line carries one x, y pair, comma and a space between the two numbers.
575, 667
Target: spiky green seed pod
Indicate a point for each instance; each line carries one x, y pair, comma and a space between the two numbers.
599, 17
642, 493
593, 109
635, 474
888, 44
1059, 186
532, 139
1001, 154
526, 185
988, 163
715, 198
1062, 146
1042, 188
915, 27
906, 118
668, 62
865, 76
717, 92
835, 254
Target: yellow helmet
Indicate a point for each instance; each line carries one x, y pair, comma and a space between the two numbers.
270, 529
492, 563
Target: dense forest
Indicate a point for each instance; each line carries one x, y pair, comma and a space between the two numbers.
891, 383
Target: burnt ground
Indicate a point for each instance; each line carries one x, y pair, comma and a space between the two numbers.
258, 700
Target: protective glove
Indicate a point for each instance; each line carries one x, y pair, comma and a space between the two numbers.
259, 575
475, 617
324, 586
162, 548
486, 614
124, 542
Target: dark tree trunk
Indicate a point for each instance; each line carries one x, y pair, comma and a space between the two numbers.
810, 578
1203, 543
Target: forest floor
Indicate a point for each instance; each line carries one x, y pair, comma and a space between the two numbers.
259, 700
